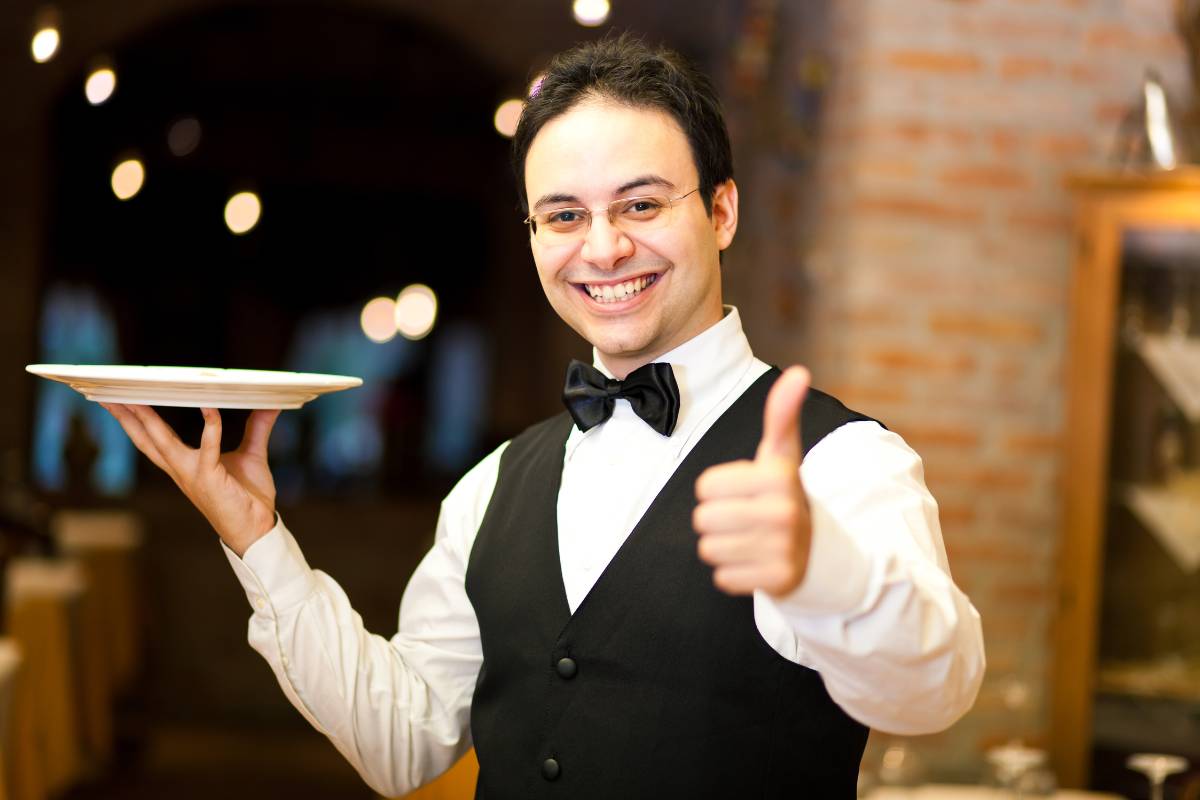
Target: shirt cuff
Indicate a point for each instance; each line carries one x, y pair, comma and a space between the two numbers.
837, 579
273, 572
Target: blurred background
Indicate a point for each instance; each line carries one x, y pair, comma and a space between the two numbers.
973, 219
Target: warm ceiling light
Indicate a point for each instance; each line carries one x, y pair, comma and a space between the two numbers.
127, 178
416, 311
591, 13
242, 212
44, 45
508, 114
378, 319
100, 85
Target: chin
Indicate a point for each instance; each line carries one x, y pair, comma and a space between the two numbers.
618, 345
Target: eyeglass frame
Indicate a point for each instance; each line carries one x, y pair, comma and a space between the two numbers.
671, 201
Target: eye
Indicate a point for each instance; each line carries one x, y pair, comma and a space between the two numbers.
642, 208
564, 219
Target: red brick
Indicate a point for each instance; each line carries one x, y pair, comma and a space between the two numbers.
887, 168
863, 396
1033, 443
954, 516
1123, 37
912, 131
917, 207
1034, 523
1072, 145
1015, 592
1055, 222
1005, 142
1114, 36
1087, 74
1004, 552
1023, 67
904, 359
989, 327
992, 480
985, 176
1015, 28
936, 61
1108, 112
924, 436
866, 316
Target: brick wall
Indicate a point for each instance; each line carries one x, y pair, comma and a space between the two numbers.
925, 277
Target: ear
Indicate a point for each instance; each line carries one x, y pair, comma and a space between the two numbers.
725, 213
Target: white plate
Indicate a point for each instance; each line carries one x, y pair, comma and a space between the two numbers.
193, 387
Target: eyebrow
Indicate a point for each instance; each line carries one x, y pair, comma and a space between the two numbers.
644, 180
641, 180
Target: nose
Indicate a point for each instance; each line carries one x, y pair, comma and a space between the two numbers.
605, 245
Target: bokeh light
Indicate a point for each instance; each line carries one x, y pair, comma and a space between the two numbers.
591, 13
242, 212
535, 85
127, 178
44, 45
508, 114
100, 85
183, 137
378, 319
416, 311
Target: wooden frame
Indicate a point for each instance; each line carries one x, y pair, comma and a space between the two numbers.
1106, 205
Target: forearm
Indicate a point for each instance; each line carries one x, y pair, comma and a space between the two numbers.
366, 693
910, 660
897, 643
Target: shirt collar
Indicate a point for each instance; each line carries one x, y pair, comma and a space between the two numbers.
707, 368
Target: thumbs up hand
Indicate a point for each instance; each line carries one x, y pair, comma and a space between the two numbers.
752, 518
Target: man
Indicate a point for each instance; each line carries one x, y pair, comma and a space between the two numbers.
703, 581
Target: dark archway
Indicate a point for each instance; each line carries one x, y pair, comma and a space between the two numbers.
369, 139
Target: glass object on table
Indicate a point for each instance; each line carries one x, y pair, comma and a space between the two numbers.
900, 767
1017, 770
1133, 316
1157, 767
1179, 322
1020, 772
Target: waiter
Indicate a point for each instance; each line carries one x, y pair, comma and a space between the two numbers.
703, 579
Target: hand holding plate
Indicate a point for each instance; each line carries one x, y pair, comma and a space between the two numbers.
234, 491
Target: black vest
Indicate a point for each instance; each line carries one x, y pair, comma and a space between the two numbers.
659, 685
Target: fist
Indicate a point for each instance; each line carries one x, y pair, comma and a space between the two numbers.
752, 518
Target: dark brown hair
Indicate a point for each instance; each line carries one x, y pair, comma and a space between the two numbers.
624, 69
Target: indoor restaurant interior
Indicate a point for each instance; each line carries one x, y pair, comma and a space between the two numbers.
975, 221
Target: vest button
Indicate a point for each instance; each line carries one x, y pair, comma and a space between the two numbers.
567, 668
550, 769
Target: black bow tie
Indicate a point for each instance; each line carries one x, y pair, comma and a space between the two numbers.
650, 389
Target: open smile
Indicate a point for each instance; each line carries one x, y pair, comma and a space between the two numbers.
617, 292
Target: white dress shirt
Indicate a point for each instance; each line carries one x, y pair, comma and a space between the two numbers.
898, 645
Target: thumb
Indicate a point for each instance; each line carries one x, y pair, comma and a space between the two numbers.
781, 416
258, 430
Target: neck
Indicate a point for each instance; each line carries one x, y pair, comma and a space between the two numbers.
621, 364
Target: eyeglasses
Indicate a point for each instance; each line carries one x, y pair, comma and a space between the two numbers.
630, 215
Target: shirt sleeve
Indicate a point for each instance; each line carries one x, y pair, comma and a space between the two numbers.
897, 643
398, 709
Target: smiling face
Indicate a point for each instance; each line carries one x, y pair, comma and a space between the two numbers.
634, 297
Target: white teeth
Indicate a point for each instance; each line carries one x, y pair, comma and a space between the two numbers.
612, 293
